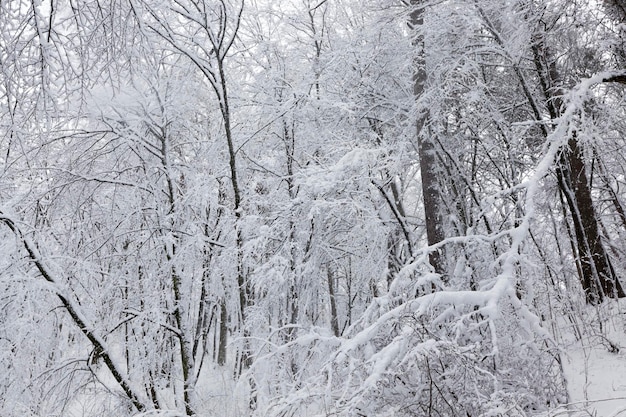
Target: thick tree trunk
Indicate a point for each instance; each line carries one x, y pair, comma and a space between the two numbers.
598, 277
433, 207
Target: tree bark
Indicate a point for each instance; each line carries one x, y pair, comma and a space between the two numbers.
433, 207
598, 276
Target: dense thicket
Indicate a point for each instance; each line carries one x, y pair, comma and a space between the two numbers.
211, 207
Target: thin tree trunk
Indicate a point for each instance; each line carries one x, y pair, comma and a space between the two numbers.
223, 334
334, 321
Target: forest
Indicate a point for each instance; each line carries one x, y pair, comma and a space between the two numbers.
312, 208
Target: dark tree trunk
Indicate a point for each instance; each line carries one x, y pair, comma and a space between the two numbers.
433, 207
598, 276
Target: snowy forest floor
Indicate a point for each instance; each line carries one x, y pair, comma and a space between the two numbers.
594, 366
593, 357
594, 362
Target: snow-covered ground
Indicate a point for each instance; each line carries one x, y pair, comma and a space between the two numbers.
595, 367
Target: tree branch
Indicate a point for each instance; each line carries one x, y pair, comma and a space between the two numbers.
74, 311
617, 78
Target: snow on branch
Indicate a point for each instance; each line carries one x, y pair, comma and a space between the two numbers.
615, 77
397, 330
74, 310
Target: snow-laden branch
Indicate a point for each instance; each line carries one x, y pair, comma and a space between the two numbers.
615, 77
75, 312
388, 335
